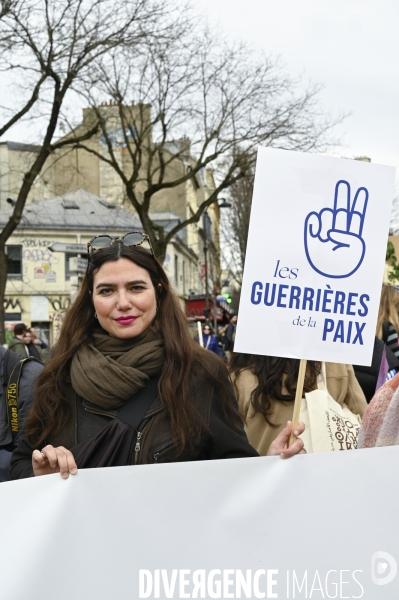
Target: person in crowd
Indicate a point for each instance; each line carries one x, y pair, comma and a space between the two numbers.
125, 331
27, 339
37, 340
209, 340
33, 349
368, 376
380, 424
388, 318
17, 343
8, 442
265, 388
230, 337
220, 336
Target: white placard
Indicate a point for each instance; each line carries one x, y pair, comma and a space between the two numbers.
315, 257
39, 308
326, 523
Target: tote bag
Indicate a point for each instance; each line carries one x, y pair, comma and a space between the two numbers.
328, 425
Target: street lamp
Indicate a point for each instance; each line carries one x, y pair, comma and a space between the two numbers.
207, 232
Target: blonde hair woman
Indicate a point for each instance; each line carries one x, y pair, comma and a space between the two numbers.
388, 318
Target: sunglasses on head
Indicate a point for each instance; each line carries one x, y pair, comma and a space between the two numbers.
134, 238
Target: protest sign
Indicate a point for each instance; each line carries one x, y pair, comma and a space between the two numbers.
315, 257
317, 526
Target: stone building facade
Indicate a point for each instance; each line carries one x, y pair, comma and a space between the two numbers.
41, 282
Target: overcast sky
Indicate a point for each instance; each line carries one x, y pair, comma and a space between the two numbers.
350, 46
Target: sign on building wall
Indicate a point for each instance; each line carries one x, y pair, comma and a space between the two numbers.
315, 257
39, 308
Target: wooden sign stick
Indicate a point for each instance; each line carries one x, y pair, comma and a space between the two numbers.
298, 397
201, 341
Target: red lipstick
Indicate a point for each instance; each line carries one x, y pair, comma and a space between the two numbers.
125, 320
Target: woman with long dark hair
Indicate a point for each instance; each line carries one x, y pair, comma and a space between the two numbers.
387, 328
265, 387
125, 345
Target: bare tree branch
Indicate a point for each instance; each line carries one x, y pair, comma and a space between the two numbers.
193, 102
55, 45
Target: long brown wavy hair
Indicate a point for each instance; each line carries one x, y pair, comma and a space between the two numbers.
183, 357
270, 371
388, 311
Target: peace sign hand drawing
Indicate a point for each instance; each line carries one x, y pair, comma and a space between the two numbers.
333, 237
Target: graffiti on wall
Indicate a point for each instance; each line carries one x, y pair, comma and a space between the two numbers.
35, 243
40, 255
11, 303
60, 304
37, 257
57, 319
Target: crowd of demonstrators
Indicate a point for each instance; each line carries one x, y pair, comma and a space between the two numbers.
380, 426
26, 343
368, 377
126, 383
385, 360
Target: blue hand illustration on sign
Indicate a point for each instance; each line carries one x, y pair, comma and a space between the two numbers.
333, 237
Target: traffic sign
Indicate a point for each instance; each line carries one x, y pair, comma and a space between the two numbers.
78, 264
71, 248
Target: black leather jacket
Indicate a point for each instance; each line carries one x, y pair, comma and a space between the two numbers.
225, 437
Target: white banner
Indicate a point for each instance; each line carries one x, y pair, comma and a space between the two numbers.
315, 257
317, 526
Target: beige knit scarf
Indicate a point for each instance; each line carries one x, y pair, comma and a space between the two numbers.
108, 370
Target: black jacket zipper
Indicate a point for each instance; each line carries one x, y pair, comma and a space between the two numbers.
161, 449
137, 447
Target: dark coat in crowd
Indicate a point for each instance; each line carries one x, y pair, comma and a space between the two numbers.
35, 352
30, 372
18, 346
368, 376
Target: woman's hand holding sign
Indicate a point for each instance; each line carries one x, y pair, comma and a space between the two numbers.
53, 460
333, 238
282, 446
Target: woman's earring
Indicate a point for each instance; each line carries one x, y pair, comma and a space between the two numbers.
95, 315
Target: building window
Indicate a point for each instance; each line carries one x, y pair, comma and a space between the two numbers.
14, 261
184, 277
